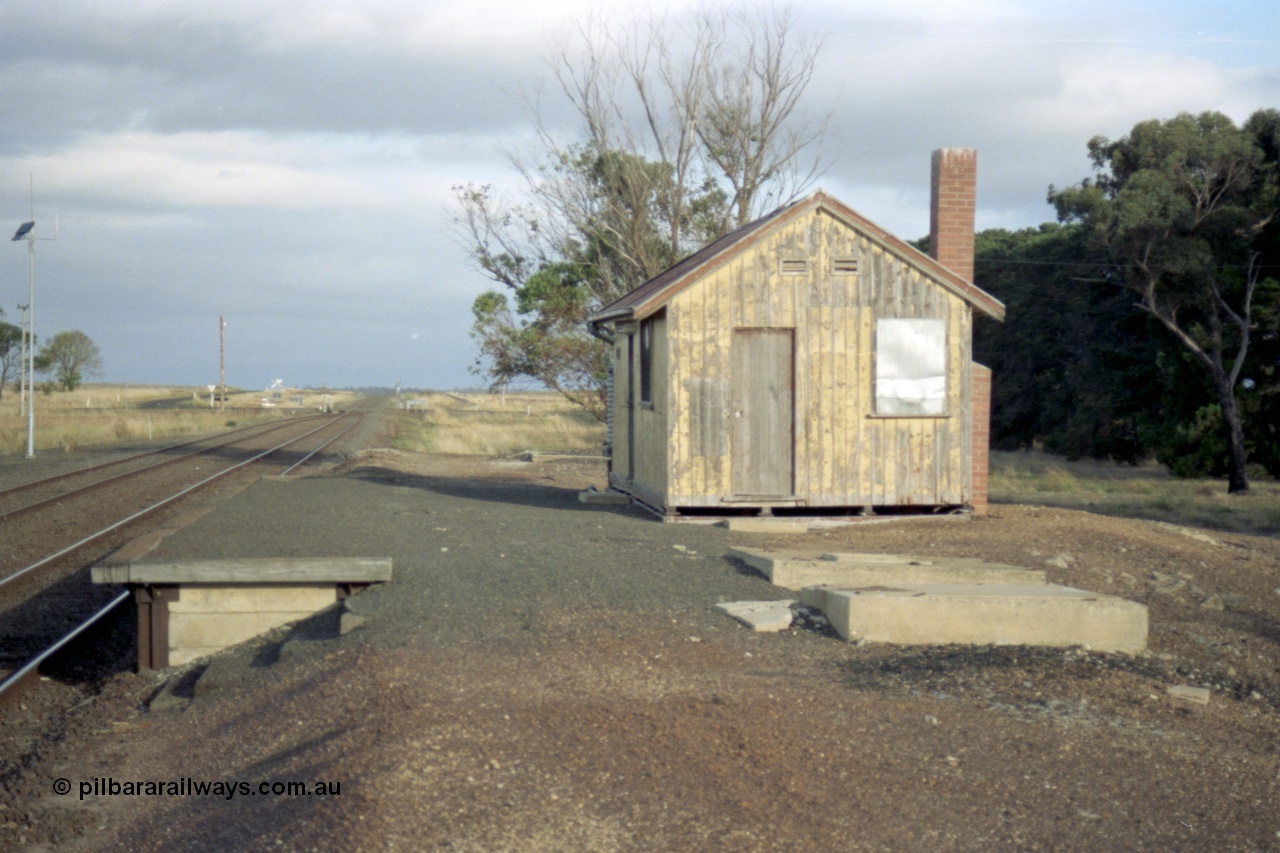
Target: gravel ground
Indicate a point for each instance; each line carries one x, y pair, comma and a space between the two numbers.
543, 675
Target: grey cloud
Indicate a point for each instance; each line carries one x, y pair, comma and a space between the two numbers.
330, 289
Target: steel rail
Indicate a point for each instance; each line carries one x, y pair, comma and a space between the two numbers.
32, 666
142, 513
88, 469
360, 416
20, 677
97, 484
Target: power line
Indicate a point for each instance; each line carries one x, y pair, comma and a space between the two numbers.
1104, 264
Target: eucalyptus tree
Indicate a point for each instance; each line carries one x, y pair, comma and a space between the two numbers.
1181, 208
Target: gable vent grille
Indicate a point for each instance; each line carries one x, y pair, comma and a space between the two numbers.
844, 266
793, 266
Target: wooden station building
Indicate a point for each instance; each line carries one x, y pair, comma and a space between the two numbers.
808, 362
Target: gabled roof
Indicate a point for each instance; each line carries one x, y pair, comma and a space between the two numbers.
657, 291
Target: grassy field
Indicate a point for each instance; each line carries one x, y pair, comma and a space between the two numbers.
490, 425
1143, 491
496, 425
99, 414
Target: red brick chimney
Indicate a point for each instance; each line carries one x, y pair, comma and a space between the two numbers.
953, 191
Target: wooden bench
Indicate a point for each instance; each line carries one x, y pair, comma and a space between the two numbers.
191, 608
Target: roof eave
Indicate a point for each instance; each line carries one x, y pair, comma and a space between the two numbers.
982, 301
611, 316
656, 300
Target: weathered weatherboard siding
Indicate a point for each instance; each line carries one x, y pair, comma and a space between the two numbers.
843, 454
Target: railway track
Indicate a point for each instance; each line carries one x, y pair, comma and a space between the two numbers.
53, 529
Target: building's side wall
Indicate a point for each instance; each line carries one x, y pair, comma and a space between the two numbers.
620, 459
844, 455
639, 427
981, 431
652, 418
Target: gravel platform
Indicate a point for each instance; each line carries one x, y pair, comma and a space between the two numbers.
475, 561
546, 675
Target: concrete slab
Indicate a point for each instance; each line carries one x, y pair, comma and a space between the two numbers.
205, 619
760, 616
220, 630
238, 598
261, 570
596, 498
765, 525
988, 614
1199, 695
801, 569
815, 597
539, 456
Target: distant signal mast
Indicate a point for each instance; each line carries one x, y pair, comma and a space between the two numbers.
222, 362
26, 232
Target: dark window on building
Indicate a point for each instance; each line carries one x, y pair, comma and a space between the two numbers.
646, 358
646, 361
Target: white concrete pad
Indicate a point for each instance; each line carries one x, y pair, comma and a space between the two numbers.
206, 619
988, 614
1199, 695
765, 525
591, 496
220, 630
760, 616
801, 569
248, 598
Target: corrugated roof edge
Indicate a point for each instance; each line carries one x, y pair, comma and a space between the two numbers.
657, 291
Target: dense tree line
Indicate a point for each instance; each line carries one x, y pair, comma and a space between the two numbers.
1146, 322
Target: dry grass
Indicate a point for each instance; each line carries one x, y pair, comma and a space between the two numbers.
492, 425
109, 414
1144, 491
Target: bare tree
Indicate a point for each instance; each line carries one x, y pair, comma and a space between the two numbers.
749, 129
687, 128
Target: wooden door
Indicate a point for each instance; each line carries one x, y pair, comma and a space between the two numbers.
761, 419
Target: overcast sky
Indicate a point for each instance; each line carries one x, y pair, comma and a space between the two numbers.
288, 164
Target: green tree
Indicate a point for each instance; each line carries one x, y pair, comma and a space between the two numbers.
619, 241
543, 339
10, 352
1179, 207
70, 356
1260, 393
1076, 367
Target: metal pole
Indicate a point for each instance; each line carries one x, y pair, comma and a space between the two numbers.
222, 362
31, 355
